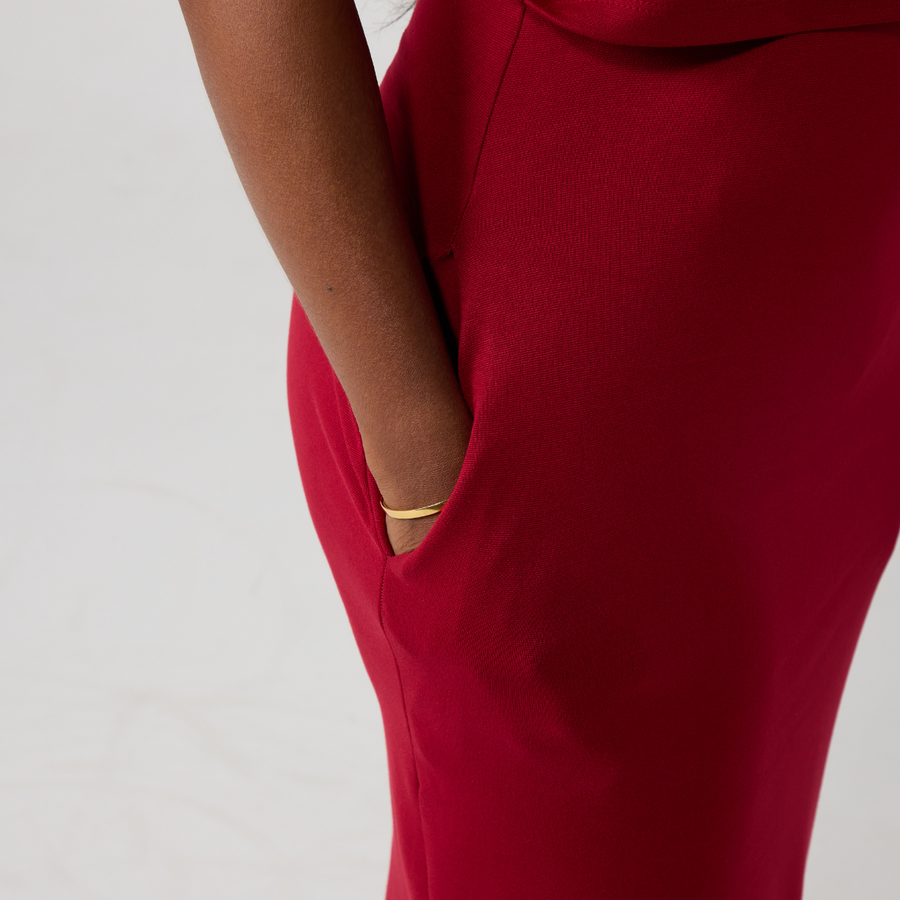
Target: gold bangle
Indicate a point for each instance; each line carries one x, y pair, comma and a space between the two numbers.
418, 513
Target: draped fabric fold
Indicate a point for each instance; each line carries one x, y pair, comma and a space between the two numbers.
682, 23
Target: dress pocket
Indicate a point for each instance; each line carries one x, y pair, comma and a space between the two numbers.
452, 515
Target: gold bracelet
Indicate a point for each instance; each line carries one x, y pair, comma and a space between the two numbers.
413, 513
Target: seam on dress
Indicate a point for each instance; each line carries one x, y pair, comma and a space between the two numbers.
412, 746
487, 128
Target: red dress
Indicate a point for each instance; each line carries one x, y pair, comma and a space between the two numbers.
670, 268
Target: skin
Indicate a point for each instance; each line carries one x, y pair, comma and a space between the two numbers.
292, 86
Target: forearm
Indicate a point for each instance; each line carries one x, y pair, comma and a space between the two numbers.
292, 86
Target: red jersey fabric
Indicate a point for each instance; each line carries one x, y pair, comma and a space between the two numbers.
670, 277
676, 23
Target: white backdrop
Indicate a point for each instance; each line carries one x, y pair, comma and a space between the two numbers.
183, 713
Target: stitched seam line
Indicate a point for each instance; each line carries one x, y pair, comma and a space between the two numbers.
487, 128
412, 745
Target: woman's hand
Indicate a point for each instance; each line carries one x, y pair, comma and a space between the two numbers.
432, 478
406, 534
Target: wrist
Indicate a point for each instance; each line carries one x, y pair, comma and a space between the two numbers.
416, 459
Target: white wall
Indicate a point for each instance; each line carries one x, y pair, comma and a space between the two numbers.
183, 713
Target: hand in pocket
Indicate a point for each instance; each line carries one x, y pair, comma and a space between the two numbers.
405, 535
